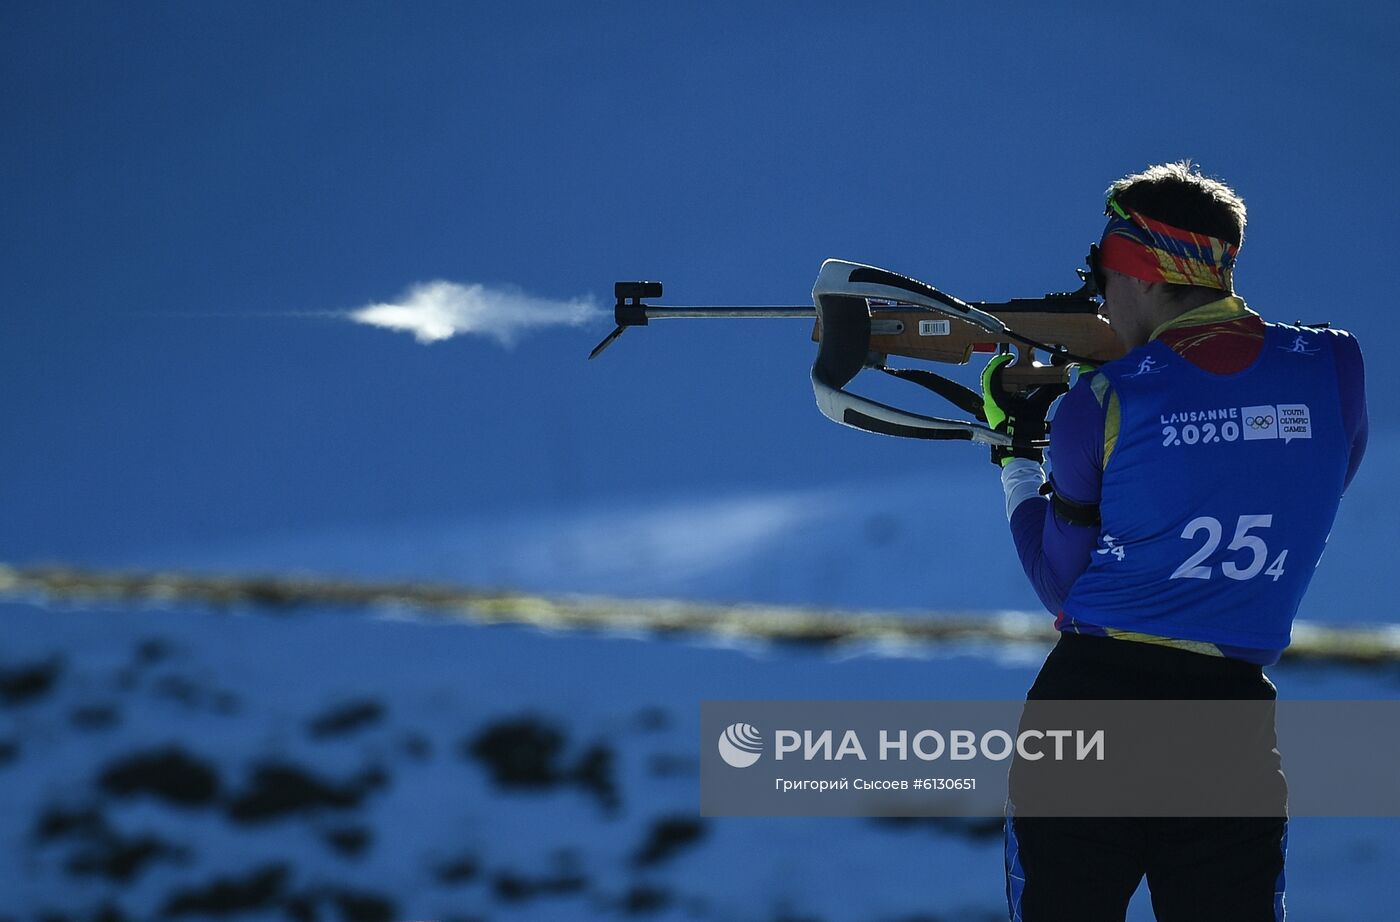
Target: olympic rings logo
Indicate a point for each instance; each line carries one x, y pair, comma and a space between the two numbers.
1259, 422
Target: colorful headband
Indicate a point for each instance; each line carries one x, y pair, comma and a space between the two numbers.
1136, 245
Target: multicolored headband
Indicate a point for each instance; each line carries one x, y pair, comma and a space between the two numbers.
1136, 245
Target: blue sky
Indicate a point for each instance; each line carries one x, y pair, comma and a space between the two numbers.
187, 185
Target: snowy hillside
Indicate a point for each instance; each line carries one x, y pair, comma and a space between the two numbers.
331, 764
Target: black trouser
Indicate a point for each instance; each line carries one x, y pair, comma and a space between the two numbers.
1086, 869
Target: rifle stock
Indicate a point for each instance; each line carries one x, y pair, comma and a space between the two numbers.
947, 340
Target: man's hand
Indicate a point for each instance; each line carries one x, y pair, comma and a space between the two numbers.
1020, 415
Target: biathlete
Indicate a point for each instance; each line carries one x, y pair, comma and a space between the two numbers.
1193, 484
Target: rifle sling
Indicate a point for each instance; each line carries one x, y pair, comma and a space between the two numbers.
883, 427
1070, 512
960, 396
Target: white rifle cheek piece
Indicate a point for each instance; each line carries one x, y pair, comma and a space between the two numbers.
840, 295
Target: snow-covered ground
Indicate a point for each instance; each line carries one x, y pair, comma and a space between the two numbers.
356, 765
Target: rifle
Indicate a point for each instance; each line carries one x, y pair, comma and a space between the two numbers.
865, 314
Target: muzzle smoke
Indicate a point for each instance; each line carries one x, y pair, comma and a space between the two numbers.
439, 310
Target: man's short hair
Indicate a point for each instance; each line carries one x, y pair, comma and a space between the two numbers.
1177, 194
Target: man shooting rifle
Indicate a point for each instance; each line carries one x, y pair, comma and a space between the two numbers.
1194, 482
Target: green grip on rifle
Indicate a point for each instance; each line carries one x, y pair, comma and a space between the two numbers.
995, 414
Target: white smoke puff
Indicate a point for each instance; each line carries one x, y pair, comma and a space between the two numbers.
438, 310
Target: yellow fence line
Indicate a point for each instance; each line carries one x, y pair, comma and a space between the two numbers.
1357, 644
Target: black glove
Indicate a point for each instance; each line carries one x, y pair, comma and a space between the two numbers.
1021, 415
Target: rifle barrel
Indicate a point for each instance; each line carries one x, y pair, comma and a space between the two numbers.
657, 312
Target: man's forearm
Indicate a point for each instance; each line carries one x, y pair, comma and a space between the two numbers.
1053, 553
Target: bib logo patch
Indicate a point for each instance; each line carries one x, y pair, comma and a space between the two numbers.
1259, 422
1294, 422
1287, 421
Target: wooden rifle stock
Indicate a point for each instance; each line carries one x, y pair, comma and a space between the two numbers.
921, 335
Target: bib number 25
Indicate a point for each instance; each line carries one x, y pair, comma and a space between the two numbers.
1247, 566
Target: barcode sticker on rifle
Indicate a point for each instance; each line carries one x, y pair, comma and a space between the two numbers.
935, 327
